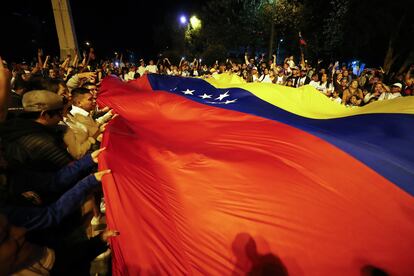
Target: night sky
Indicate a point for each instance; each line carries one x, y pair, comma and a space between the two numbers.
109, 26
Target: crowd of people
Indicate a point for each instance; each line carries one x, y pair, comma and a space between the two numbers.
340, 83
50, 134
52, 218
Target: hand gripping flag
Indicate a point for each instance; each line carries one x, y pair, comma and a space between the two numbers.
256, 179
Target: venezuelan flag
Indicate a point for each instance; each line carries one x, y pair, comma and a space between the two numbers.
222, 177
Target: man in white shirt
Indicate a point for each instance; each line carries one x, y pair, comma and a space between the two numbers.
83, 131
141, 69
314, 81
303, 78
395, 92
151, 68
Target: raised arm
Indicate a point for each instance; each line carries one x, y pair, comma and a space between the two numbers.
46, 61
39, 57
75, 59
246, 59
65, 64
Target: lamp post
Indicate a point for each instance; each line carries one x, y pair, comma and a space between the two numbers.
278, 47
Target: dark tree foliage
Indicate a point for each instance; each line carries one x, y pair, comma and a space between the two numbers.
379, 33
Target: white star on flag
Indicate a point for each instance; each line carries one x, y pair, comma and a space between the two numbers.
205, 96
232, 101
188, 92
222, 96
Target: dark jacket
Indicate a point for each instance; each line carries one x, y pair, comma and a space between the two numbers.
30, 145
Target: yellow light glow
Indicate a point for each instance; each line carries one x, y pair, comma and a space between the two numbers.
195, 22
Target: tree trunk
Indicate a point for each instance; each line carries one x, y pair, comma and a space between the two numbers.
390, 58
272, 38
409, 60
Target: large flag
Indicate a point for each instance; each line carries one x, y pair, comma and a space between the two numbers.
257, 179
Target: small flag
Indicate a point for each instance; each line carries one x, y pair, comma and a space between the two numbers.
302, 42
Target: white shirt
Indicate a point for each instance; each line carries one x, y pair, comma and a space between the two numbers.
265, 78
151, 68
280, 80
314, 84
301, 81
389, 96
337, 100
77, 110
324, 87
141, 70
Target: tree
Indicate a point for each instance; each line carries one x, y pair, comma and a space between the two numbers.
232, 23
283, 16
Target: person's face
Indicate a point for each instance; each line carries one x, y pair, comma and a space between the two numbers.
64, 92
266, 71
354, 100
378, 88
315, 77
302, 73
354, 84
324, 77
344, 82
395, 89
52, 74
151, 62
87, 102
345, 73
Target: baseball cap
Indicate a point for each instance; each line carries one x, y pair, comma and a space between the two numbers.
397, 84
41, 100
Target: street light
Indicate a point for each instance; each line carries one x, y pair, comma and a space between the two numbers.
183, 19
278, 46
